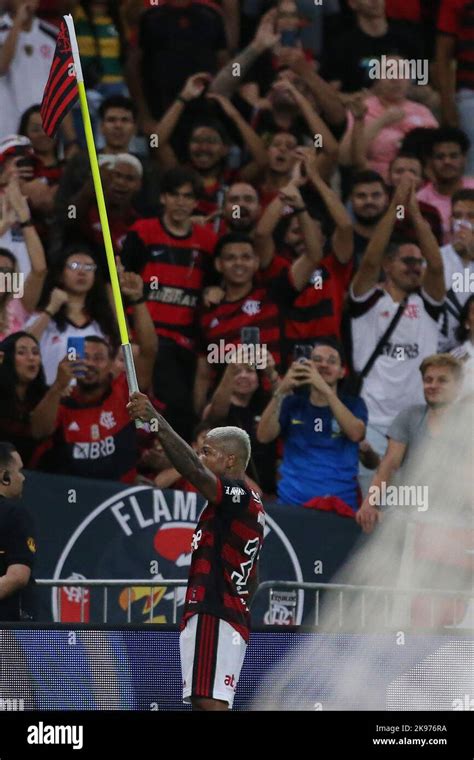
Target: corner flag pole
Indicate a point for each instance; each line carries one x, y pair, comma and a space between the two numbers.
109, 250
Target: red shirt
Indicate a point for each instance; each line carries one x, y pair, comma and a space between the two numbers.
221, 325
317, 310
96, 440
173, 270
226, 545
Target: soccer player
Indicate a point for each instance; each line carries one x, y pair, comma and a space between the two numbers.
225, 547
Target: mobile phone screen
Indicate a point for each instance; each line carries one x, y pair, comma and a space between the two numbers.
302, 352
75, 349
250, 336
289, 38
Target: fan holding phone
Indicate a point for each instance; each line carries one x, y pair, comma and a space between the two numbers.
93, 434
321, 430
239, 399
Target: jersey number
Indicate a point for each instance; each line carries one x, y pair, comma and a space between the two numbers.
240, 579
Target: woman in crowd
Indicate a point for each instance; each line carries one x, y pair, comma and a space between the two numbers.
47, 167
74, 303
22, 386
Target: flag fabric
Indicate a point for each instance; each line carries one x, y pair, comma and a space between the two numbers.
61, 90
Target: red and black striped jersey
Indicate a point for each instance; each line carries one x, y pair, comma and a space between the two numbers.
261, 308
225, 546
96, 440
172, 269
317, 310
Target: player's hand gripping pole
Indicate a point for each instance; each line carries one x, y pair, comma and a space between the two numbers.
99, 193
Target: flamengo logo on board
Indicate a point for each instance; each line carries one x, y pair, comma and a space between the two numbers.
148, 533
45, 734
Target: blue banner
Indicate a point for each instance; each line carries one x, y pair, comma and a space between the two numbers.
98, 529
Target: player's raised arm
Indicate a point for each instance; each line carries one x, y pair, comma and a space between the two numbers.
180, 454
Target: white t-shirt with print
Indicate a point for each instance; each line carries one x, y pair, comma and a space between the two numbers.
394, 382
23, 84
53, 343
457, 293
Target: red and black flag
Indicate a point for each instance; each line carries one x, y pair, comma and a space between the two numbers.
61, 91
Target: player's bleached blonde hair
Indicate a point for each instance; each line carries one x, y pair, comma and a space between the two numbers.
234, 440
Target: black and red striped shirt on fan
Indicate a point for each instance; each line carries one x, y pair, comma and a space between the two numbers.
261, 308
172, 269
226, 545
317, 310
92, 440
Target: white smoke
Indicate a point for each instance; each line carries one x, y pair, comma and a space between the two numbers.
405, 651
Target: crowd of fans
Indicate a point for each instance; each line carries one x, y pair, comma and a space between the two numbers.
261, 169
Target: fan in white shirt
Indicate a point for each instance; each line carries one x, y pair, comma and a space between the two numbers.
458, 260
26, 52
410, 271
465, 352
75, 304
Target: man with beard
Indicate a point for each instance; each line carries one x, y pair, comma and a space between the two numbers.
446, 161
121, 179
92, 435
410, 300
458, 260
241, 210
412, 428
369, 200
118, 126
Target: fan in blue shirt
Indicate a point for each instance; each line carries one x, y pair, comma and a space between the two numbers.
321, 430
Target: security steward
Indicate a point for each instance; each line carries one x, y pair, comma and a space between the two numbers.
17, 543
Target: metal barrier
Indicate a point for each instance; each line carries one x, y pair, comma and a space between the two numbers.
107, 583
342, 589
389, 594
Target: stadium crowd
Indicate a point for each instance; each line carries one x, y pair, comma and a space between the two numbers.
290, 193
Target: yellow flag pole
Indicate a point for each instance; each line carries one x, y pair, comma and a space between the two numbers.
109, 249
